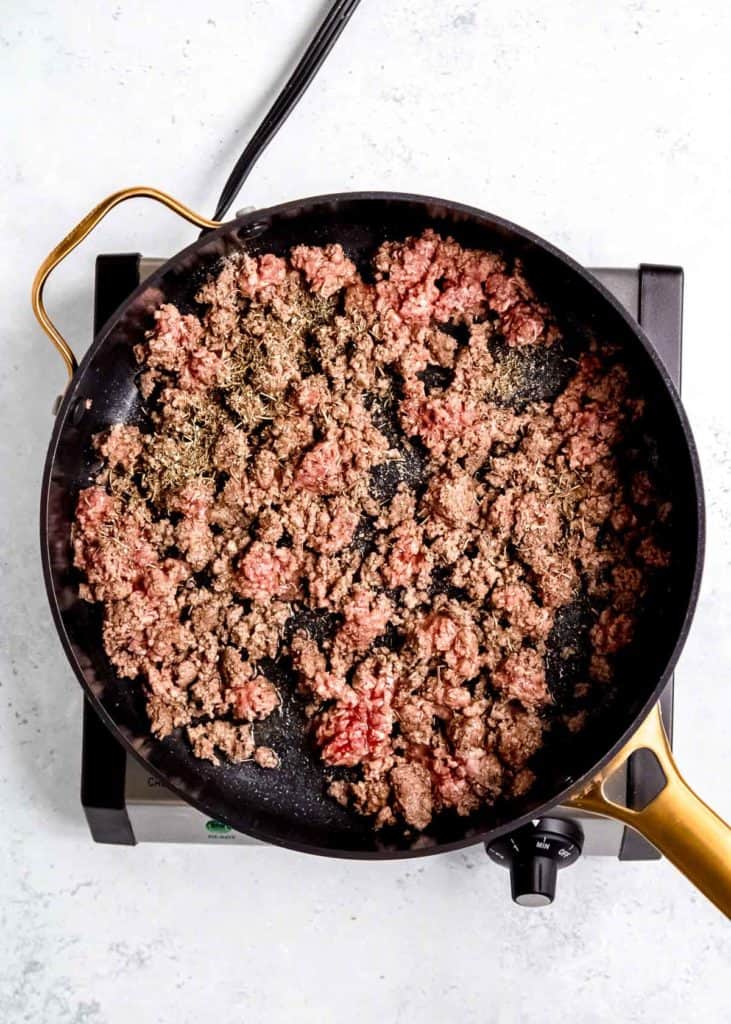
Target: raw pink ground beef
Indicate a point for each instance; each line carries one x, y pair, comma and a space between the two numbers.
359, 453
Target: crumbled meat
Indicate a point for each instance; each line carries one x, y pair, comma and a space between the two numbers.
449, 639
173, 337
235, 742
251, 696
347, 478
612, 632
454, 498
415, 716
412, 792
320, 470
265, 757
120, 446
259, 631
518, 733
266, 571
360, 723
522, 677
260, 277
436, 420
365, 618
192, 534
326, 270
333, 527
652, 554
516, 602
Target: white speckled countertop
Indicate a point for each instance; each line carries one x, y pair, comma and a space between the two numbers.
606, 132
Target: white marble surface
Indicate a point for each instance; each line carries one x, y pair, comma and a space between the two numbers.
601, 126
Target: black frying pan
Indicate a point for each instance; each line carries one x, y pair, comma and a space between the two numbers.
289, 807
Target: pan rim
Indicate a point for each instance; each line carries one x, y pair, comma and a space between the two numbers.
470, 213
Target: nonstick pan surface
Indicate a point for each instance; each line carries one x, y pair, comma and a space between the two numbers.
289, 806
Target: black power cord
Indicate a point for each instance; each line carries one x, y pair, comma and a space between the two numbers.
324, 40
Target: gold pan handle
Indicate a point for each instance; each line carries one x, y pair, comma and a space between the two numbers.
676, 821
77, 235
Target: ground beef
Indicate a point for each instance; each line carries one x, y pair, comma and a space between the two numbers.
517, 733
192, 534
448, 637
265, 757
612, 632
522, 677
516, 601
234, 742
120, 446
360, 723
366, 616
347, 478
250, 696
412, 791
326, 270
454, 498
408, 559
260, 277
266, 571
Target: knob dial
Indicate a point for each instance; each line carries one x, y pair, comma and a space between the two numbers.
534, 854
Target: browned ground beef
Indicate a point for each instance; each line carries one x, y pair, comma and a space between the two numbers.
318, 443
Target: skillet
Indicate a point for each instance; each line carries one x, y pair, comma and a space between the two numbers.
290, 807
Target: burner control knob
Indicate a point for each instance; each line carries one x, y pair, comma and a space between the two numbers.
534, 855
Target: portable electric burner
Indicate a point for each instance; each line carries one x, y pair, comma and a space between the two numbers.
126, 805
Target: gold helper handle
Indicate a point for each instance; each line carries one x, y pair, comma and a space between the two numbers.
676, 822
77, 235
